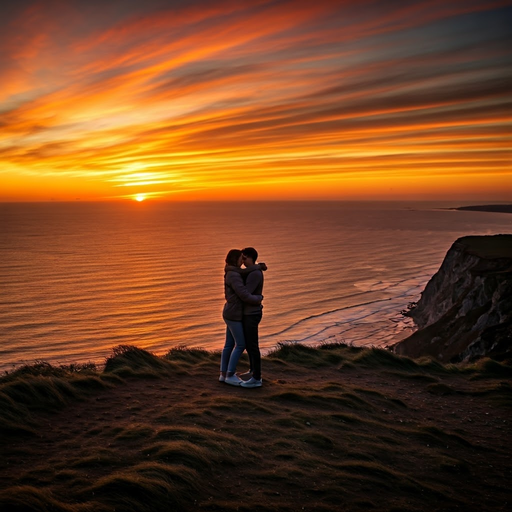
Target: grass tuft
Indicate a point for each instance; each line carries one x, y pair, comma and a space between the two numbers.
490, 368
378, 474
188, 355
182, 453
41, 387
147, 487
337, 345
101, 458
499, 394
219, 444
135, 432
292, 352
25, 498
434, 366
378, 358
130, 361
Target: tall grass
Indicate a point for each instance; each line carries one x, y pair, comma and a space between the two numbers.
43, 387
147, 487
25, 498
131, 361
329, 441
190, 355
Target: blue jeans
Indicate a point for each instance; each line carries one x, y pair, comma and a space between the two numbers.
234, 346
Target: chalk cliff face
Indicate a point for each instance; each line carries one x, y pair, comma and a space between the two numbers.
465, 311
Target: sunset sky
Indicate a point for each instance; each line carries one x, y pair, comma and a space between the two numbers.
231, 99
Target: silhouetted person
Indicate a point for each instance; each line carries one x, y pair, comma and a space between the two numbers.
252, 314
236, 295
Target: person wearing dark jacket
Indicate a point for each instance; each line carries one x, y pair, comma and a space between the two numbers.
236, 295
252, 317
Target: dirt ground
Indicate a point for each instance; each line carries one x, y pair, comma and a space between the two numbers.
336, 437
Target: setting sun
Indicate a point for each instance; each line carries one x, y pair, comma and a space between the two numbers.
140, 197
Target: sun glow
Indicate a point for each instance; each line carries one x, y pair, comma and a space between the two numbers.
140, 197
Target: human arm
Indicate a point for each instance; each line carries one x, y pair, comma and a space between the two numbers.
254, 281
246, 270
236, 282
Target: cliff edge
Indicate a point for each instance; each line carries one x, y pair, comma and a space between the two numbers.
465, 311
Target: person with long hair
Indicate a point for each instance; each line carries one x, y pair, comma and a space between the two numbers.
236, 295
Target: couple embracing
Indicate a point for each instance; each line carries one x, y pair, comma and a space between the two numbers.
242, 313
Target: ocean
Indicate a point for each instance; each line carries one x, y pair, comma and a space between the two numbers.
78, 278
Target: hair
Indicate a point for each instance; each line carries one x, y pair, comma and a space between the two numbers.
250, 252
233, 257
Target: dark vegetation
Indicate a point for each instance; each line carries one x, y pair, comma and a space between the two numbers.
497, 208
334, 428
489, 247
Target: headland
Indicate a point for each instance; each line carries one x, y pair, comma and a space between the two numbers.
496, 208
333, 428
465, 311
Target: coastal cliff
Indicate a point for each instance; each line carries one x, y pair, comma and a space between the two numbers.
465, 311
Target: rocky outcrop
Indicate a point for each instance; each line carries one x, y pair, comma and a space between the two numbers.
465, 311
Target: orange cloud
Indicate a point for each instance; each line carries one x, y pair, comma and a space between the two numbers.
202, 100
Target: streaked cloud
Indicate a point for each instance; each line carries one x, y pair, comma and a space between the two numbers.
288, 99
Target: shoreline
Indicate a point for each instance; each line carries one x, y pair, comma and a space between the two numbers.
356, 325
377, 323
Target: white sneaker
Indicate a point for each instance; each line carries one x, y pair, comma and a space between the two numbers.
246, 375
233, 380
222, 378
252, 383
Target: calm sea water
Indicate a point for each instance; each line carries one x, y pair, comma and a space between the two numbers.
79, 278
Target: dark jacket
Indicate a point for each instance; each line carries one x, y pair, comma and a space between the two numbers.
254, 284
236, 295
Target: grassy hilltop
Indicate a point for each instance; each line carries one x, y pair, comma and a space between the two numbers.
333, 428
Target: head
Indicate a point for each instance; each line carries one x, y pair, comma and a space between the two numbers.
234, 257
249, 256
